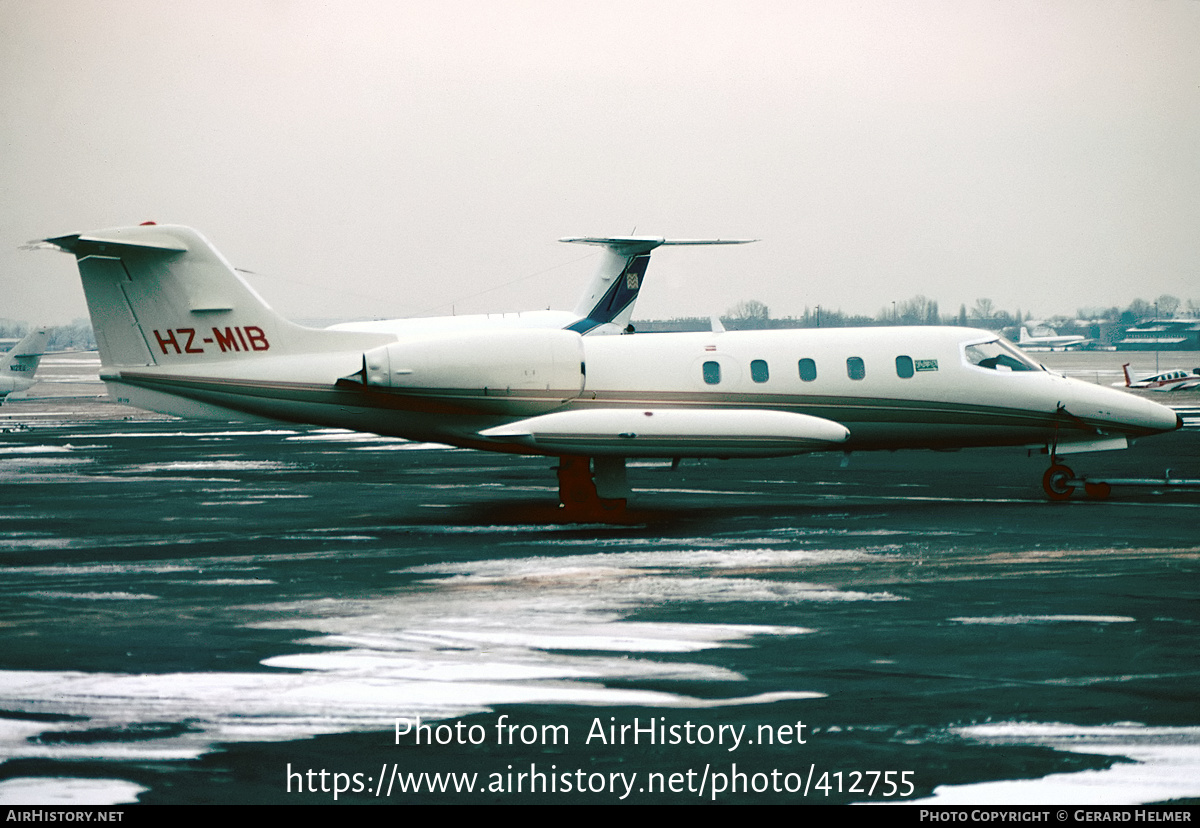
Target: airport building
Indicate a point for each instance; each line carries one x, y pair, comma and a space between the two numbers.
1162, 335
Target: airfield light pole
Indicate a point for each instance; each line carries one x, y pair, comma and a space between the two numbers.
1156, 338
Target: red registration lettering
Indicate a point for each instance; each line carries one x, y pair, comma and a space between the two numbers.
187, 347
248, 338
169, 340
258, 340
226, 340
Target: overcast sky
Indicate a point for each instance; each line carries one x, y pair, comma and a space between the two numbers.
381, 159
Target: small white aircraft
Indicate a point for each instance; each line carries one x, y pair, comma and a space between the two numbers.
1052, 342
1168, 381
180, 332
19, 365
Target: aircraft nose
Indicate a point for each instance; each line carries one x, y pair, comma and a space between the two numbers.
1152, 416
1132, 414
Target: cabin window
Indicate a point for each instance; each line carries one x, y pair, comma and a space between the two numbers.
997, 356
759, 371
855, 368
904, 367
808, 370
712, 372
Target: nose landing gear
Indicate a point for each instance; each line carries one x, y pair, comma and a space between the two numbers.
1056, 482
1059, 483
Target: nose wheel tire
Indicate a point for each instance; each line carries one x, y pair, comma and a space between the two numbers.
1054, 482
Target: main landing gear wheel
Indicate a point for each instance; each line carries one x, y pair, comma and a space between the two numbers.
1054, 482
577, 495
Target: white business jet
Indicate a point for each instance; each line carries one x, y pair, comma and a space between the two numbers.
180, 332
19, 365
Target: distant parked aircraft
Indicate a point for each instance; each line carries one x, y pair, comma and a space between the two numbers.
1169, 381
18, 366
1054, 342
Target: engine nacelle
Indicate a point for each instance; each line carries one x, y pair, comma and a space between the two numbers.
545, 363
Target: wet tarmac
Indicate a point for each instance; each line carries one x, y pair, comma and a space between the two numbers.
215, 613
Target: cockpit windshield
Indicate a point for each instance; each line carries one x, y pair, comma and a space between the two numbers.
998, 355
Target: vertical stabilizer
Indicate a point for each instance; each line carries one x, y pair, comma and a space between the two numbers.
24, 357
18, 366
607, 304
163, 295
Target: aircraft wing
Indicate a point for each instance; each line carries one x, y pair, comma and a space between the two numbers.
673, 432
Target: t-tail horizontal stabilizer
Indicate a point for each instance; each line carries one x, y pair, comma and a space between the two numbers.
607, 306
